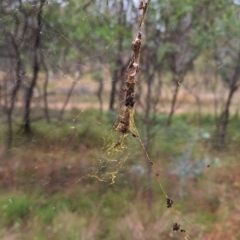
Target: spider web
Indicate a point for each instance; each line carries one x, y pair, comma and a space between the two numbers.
63, 157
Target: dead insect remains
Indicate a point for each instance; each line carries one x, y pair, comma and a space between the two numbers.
176, 226
169, 203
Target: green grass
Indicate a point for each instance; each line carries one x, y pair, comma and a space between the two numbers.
15, 208
71, 205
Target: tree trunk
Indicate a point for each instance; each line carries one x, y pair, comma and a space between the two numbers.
45, 94
222, 122
99, 95
14, 91
29, 93
67, 99
174, 100
121, 22
113, 89
147, 145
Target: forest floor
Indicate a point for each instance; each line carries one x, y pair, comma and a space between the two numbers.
61, 182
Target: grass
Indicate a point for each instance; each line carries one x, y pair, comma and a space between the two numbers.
15, 208
48, 194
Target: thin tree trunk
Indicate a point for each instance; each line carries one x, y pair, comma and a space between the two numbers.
113, 89
157, 94
67, 99
224, 119
14, 91
147, 145
19, 72
222, 123
118, 61
45, 94
99, 95
29, 93
174, 99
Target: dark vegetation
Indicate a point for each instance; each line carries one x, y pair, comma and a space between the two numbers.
119, 120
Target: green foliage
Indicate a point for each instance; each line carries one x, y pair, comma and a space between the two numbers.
15, 208
46, 214
77, 23
114, 205
171, 139
83, 202
207, 218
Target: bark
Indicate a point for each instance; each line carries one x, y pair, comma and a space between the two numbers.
36, 68
223, 121
45, 94
15, 90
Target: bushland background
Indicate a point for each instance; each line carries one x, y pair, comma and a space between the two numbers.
62, 76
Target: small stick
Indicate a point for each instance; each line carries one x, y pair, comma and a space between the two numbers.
143, 7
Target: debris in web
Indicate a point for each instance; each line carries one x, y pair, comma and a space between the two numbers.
176, 226
169, 203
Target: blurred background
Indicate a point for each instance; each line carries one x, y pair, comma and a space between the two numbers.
62, 81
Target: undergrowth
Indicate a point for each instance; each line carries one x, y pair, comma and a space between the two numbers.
57, 176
